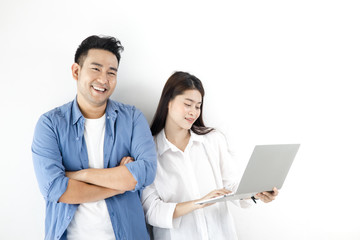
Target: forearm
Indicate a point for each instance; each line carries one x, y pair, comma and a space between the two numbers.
117, 178
184, 208
80, 192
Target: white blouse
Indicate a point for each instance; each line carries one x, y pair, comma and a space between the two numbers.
205, 165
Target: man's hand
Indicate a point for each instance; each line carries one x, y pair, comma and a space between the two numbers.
126, 160
267, 197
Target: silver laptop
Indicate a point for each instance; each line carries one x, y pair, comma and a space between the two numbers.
267, 168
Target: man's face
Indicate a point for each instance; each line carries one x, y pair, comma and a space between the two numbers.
96, 78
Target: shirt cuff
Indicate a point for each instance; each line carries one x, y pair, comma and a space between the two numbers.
132, 167
169, 221
175, 221
57, 189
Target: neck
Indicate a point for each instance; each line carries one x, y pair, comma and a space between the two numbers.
91, 112
177, 136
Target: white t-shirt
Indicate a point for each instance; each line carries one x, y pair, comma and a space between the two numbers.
205, 165
92, 220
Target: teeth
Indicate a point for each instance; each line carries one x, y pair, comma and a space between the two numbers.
99, 89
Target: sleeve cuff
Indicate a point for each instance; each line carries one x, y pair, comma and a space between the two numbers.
175, 222
57, 189
163, 216
138, 186
169, 221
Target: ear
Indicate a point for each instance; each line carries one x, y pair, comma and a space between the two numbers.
75, 69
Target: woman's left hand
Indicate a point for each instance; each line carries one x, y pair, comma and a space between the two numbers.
267, 197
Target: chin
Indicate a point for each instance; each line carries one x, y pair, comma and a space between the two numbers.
187, 127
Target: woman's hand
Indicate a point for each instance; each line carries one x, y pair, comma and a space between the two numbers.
267, 197
184, 208
212, 194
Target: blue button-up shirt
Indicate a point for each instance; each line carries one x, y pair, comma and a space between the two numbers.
59, 146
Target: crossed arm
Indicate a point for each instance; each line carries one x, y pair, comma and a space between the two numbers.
89, 185
80, 192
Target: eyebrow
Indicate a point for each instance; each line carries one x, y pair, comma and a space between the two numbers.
192, 100
100, 65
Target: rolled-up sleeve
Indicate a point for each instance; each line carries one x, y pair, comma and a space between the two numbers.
143, 150
157, 212
47, 160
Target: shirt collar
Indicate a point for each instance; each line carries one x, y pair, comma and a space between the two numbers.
163, 144
75, 112
110, 111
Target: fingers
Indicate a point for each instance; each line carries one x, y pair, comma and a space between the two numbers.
213, 194
126, 160
219, 192
216, 193
263, 197
275, 191
223, 191
268, 196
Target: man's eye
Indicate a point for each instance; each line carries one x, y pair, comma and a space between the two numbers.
96, 69
188, 105
111, 73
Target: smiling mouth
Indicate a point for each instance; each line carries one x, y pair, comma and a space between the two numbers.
99, 89
191, 120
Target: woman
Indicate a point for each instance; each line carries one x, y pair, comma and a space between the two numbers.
193, 165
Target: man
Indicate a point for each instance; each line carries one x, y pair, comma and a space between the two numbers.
91, 188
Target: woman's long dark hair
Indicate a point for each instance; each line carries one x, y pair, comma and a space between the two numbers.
177, 84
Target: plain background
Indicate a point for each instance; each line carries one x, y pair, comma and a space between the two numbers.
274, 72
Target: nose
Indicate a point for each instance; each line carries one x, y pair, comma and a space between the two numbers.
103, 78
192, 112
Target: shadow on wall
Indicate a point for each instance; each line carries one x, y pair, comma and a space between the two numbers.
142, 98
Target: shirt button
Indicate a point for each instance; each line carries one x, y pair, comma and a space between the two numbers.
108, 117
77, 138
68, 217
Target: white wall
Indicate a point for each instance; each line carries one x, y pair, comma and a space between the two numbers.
274, 72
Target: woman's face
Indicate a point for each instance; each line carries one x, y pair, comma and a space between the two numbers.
184, 109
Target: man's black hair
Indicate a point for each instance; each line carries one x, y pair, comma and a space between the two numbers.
110, 44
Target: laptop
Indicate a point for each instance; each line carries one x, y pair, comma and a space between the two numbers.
267, 168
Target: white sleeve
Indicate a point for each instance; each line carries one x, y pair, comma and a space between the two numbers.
157, 212
230, 174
